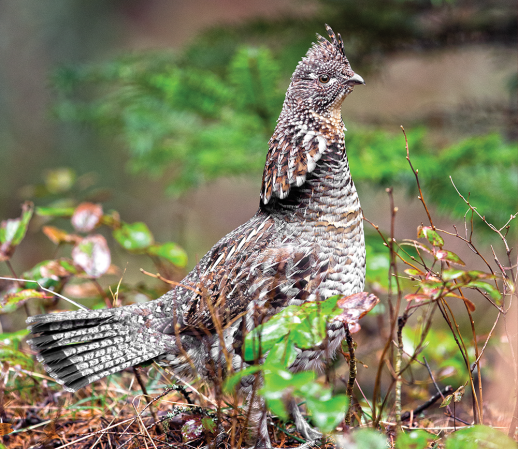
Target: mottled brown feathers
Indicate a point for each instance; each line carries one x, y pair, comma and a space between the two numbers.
305, 243
310, 119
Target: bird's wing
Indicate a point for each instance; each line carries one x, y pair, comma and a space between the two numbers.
252, 267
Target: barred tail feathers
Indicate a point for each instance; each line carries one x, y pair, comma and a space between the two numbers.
78, 348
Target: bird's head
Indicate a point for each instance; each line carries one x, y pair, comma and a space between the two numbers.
322, 79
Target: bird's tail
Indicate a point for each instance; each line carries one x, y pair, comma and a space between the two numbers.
77, 348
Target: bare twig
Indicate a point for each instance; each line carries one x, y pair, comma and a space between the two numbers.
352, 373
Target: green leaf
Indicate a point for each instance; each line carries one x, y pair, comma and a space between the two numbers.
283, 353
490, 289
208, 424
280, 384
480, 437
305, 323
414, 272
11, 301
13, 231
416, 439
277, 407
277, 387
366, 439
277, 383
171, 252
9, 352
263, 337
326, 414
50, 273
15, 357
231, 382
452, 274
446, 401
134, 236
432, 236
13, 337
55, 211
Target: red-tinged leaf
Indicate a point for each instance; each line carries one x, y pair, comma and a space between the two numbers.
58, 236
12, 301
355, 307
92, 255
453, 295
432, 287
170, 251
134, 236
429, 234
473, 274
13, 231
59, 268
444, 254
50, 273
55, 211
417, 297
354, 327
418, 246
87, 216
192, 429
471, 307
414, 272
490, 289
431, 280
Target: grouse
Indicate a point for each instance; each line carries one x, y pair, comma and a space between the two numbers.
305, 243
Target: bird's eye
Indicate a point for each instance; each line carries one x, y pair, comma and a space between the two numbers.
324, 79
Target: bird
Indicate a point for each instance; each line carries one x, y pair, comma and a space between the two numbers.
304, 243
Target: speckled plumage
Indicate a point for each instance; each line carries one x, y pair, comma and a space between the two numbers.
305, 243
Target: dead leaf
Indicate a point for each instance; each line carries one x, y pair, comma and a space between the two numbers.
58, 236
5, 428
354, 307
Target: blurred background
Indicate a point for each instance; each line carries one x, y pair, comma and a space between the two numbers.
162, 110
139, 99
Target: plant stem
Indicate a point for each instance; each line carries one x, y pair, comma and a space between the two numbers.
397, 403
148, 399
352, 373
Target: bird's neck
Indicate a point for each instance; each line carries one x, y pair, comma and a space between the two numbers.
328, 190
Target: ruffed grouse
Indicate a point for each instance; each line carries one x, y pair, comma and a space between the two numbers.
305, 243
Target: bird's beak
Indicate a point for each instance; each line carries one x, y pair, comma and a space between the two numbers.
355, 79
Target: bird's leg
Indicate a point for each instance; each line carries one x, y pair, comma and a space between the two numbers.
258, 421
263, 438
301, 424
